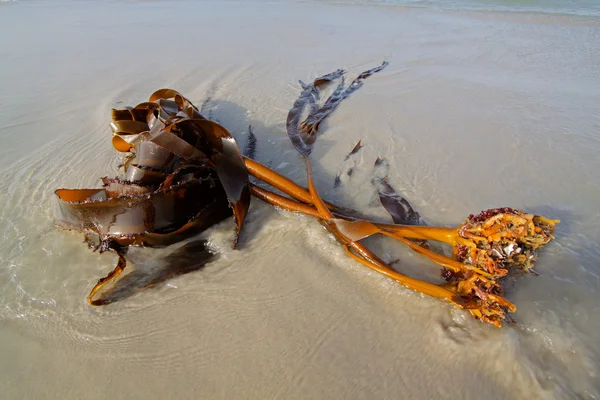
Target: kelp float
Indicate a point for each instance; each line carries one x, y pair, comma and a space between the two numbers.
183, 173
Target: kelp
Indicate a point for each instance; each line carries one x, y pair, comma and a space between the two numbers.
183, 173
474, 270
354, 150
397, 206
338, 178
303, 133
250, 150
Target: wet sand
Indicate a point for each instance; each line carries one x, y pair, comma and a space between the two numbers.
476, 110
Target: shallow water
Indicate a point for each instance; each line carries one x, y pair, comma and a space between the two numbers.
566, 7
476, 110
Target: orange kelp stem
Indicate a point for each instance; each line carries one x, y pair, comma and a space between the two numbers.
278, 181
283, 202
291, 205
364, 255
482, 261
370, 260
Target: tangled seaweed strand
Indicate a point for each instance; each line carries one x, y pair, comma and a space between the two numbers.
183, 173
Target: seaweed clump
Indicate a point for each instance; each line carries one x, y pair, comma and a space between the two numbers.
183, 173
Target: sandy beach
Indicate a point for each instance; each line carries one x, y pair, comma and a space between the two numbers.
477, 109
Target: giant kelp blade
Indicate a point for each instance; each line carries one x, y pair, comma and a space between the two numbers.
370, 72
140, 175
177, 145
114, 274
314, 119
151, 155
181, 130
128, 214
397, 206
211, 214
230, 168
303, 134
303, 137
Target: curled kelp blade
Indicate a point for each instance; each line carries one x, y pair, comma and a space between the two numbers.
354, 150
151, 164
303, 137
194, 138
314, 119
303, 133
397, 206
230, 168
152, 117
124, 212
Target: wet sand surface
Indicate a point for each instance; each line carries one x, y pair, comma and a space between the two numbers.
476, 110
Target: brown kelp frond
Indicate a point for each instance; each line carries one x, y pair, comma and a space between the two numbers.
115, 211
182, 173
354, 150
337, 181
250, 150
397, 206
303, 134
303, 137
160, 137
178, 134
314, 119
230, 168
338, 178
